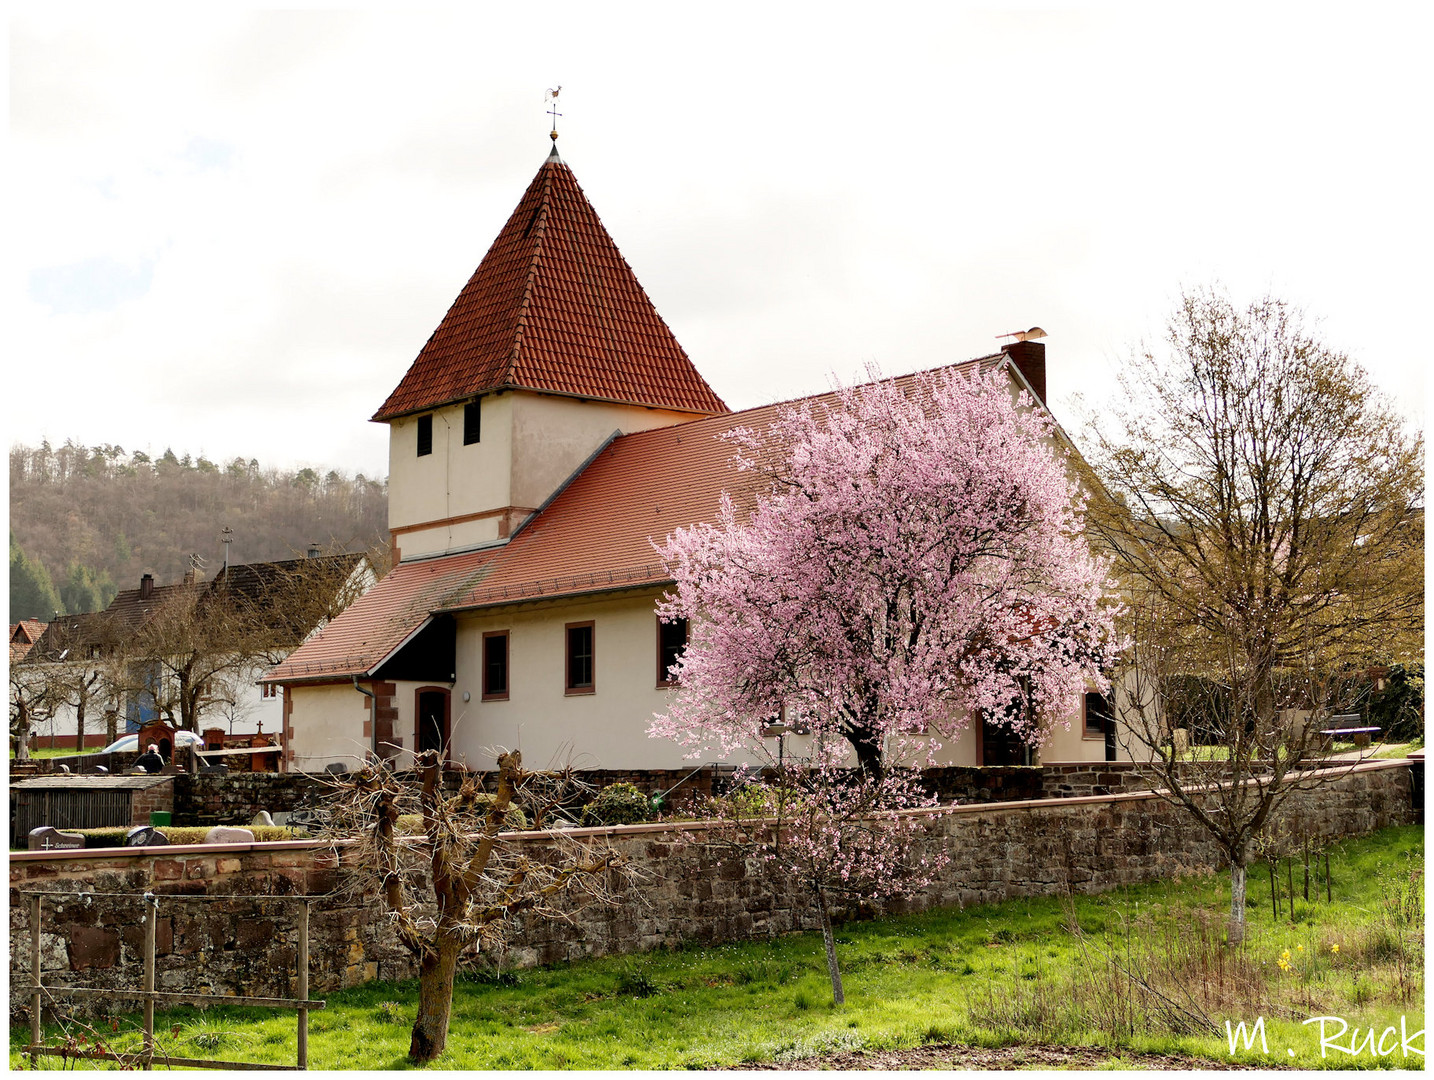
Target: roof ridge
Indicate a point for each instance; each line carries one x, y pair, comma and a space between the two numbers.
540, 231
735, 415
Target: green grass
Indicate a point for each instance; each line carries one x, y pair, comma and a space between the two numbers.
990, 975
59, 751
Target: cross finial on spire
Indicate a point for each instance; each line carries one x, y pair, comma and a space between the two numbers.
552, 96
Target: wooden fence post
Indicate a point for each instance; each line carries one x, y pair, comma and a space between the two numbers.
35, 994
303, 967
151, 917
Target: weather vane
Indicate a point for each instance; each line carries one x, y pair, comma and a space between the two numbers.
552, 95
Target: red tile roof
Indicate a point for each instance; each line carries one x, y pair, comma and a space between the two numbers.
595, 536
23, 635
381, 619
553, 307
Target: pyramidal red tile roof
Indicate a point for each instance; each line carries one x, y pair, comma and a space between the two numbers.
553, 307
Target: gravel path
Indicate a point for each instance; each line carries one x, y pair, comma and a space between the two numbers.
1006, 1057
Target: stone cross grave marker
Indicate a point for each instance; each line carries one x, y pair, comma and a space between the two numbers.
46, 838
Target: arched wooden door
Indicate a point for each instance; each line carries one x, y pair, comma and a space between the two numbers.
432, 721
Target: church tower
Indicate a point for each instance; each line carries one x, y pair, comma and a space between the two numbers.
550, 348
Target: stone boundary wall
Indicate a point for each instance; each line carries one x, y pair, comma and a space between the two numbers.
242, 941
1076, 779
234, 798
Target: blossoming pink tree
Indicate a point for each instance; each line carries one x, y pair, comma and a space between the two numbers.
912, 556
837, 836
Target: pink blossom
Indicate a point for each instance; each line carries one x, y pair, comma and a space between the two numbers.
915, 557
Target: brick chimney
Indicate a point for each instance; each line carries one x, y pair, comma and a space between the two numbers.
191, 576
1030, 358
146, 586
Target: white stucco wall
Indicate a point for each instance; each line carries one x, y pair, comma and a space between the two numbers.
328, 723
529, 444
604, 729
241, 712
553, 435
455, 479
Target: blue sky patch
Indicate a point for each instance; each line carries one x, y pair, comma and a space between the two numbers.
208, 153
90, 285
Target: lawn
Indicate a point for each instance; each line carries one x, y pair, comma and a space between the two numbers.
1017, 972
58, 751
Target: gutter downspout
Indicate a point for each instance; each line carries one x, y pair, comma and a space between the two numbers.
372, 716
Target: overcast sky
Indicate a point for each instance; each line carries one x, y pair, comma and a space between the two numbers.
230, 231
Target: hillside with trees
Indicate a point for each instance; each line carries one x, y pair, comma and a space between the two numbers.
87, 521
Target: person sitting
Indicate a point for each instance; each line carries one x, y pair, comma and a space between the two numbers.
150, 761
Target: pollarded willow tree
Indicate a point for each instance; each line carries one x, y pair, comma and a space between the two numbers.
915, 557
1266, 508
460, 885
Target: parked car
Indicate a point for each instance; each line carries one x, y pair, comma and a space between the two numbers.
128, 744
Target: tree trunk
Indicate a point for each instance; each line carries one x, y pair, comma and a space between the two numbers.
80, 724
111, 726
829, 940
22, 733
435, 1000
1237, 902
867, 745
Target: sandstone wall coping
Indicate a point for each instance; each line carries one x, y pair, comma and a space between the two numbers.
657, 827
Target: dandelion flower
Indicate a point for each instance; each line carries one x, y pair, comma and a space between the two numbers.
1284, 964
1301, 948
1334, 948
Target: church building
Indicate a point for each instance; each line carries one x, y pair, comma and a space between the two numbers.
550, 430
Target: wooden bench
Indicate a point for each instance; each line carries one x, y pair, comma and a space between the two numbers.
1357, 735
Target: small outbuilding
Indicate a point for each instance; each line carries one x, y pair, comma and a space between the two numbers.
86, 802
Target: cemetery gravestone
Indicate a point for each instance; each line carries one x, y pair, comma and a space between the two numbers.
47, 839
224, 834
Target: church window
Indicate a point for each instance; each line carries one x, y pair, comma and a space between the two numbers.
495, 665
671, 640
580, 658
1099, 715
425, 435
472, 423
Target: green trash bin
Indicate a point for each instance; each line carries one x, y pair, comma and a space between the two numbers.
159, 817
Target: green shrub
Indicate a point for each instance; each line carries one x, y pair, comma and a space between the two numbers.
618, 804
513, 819
187, 834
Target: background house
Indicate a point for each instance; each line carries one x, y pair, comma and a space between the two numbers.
131, 658
548, 432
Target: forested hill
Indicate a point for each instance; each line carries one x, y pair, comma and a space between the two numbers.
86, 521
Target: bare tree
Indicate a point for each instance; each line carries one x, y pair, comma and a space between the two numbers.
76, 660
31, 702
1265, 504
204, 643
455, 889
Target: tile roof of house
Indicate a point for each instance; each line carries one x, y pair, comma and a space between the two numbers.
381, 619
23, 635
595, 536
70, 632
553, 307
130, 611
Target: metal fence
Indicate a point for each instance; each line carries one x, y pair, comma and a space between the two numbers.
69, 1048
